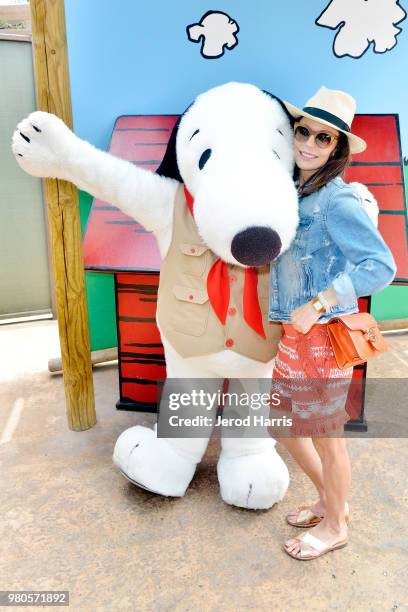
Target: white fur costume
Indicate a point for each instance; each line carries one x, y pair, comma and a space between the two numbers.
246, 182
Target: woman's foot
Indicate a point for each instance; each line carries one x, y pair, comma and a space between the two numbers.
310, 515
329, 535
317, 509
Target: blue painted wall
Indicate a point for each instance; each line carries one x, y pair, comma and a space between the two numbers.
135, 57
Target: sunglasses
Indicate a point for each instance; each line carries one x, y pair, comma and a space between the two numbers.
322, 139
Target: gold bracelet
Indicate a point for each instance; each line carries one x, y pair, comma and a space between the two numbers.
317, 305
326, 304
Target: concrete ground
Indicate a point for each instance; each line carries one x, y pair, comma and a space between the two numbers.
70, 521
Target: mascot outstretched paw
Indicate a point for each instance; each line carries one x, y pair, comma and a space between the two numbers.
152, 463
255, 481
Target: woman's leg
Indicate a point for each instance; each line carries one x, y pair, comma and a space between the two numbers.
336, 477
336, 480
306, 456
301, 449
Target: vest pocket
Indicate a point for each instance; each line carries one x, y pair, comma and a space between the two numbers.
195, 258
191, 311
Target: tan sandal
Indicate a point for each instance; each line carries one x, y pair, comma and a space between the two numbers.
305, 517
315, 544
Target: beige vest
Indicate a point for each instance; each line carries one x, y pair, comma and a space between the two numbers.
184, 311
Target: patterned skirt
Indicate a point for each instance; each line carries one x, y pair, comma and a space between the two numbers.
310, 385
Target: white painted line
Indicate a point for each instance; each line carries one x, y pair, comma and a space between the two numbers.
12, 421
27, 319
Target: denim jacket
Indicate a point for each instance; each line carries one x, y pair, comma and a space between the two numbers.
336, 245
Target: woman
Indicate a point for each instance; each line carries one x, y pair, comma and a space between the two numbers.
337, 256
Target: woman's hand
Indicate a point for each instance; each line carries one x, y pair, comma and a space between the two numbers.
304, 317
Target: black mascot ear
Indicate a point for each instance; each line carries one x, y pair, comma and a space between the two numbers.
285, 110
169, 166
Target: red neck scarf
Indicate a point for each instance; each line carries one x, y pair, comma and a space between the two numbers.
218, 288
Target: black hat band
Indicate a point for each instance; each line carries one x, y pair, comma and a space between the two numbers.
322, 114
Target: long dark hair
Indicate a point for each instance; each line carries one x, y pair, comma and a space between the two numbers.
335, 166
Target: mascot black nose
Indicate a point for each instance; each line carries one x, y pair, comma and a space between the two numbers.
256, 246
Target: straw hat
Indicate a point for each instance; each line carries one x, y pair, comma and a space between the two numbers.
333, 108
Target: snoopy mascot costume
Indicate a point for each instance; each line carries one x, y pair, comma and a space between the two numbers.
223, 207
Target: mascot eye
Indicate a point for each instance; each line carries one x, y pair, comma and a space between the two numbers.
204, 158
276, 154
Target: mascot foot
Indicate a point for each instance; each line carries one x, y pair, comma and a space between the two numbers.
253, 481
152, 463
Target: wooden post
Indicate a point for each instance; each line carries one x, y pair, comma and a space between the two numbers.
53, 95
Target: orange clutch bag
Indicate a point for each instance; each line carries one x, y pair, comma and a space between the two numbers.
355, 338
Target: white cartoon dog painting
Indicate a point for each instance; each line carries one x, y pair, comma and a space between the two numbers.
361, 23
217, 31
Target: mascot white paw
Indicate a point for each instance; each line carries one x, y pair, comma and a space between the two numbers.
253, 481
42, 144
153, 463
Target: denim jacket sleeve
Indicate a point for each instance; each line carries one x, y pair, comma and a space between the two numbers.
354, 233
